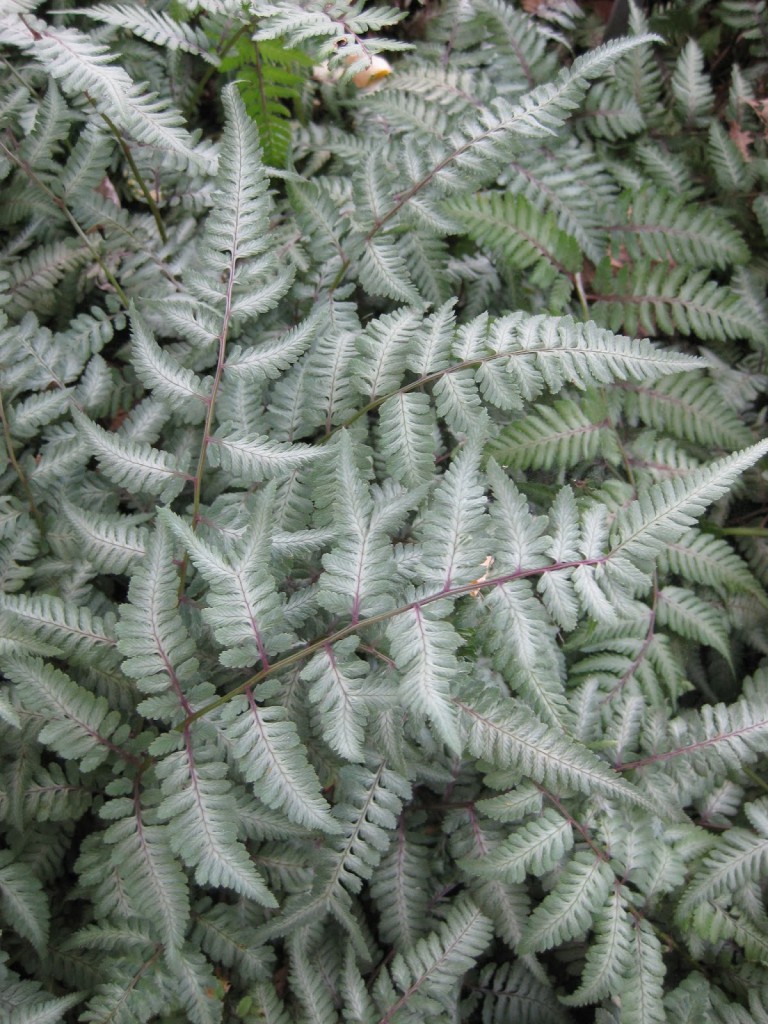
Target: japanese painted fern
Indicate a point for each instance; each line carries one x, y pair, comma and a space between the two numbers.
375, 646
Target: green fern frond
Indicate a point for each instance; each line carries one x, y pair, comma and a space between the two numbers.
691, 86
711, 561
651, 298
515, 231
664, 228
690, 407
270, 78
562, 435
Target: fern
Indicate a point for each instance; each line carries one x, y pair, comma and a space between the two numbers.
382, 611
270, 82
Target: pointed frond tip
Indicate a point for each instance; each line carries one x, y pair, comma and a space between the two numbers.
663, 514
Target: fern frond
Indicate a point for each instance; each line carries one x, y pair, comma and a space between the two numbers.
383, 271
535, 847
509, 736
609, 957
370, 802
453, 528
733, 172
716, 924
202, 830
75, 632
662, 515
42, 270
423, 648
155, 884
82, 66
691, 86
654, 298
690, 407
384, 347
399, 891
154, 26
53, 795
512, 991
568, 909
78, 726
244, 608
431, 968
661, 226
308, 982
23, 902
237, 227
269, 358
642, 993
611, 113
560, 435
270, 81
693, 618
338, 689
515, 231
253, 459
540, 112
739, 858
158, 651
228, 937
718, 741
132, 464
407, 432
182, 389
359, 569
573, 183
273, 758
112, 543
520, 637
711, 561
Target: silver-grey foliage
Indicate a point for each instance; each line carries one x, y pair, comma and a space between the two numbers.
364, 656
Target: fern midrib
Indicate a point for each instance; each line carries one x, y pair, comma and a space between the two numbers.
690, 748
341, 634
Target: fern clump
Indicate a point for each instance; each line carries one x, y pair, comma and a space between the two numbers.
383, 616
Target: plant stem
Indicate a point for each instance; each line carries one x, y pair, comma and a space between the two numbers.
34, 510
138, 176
